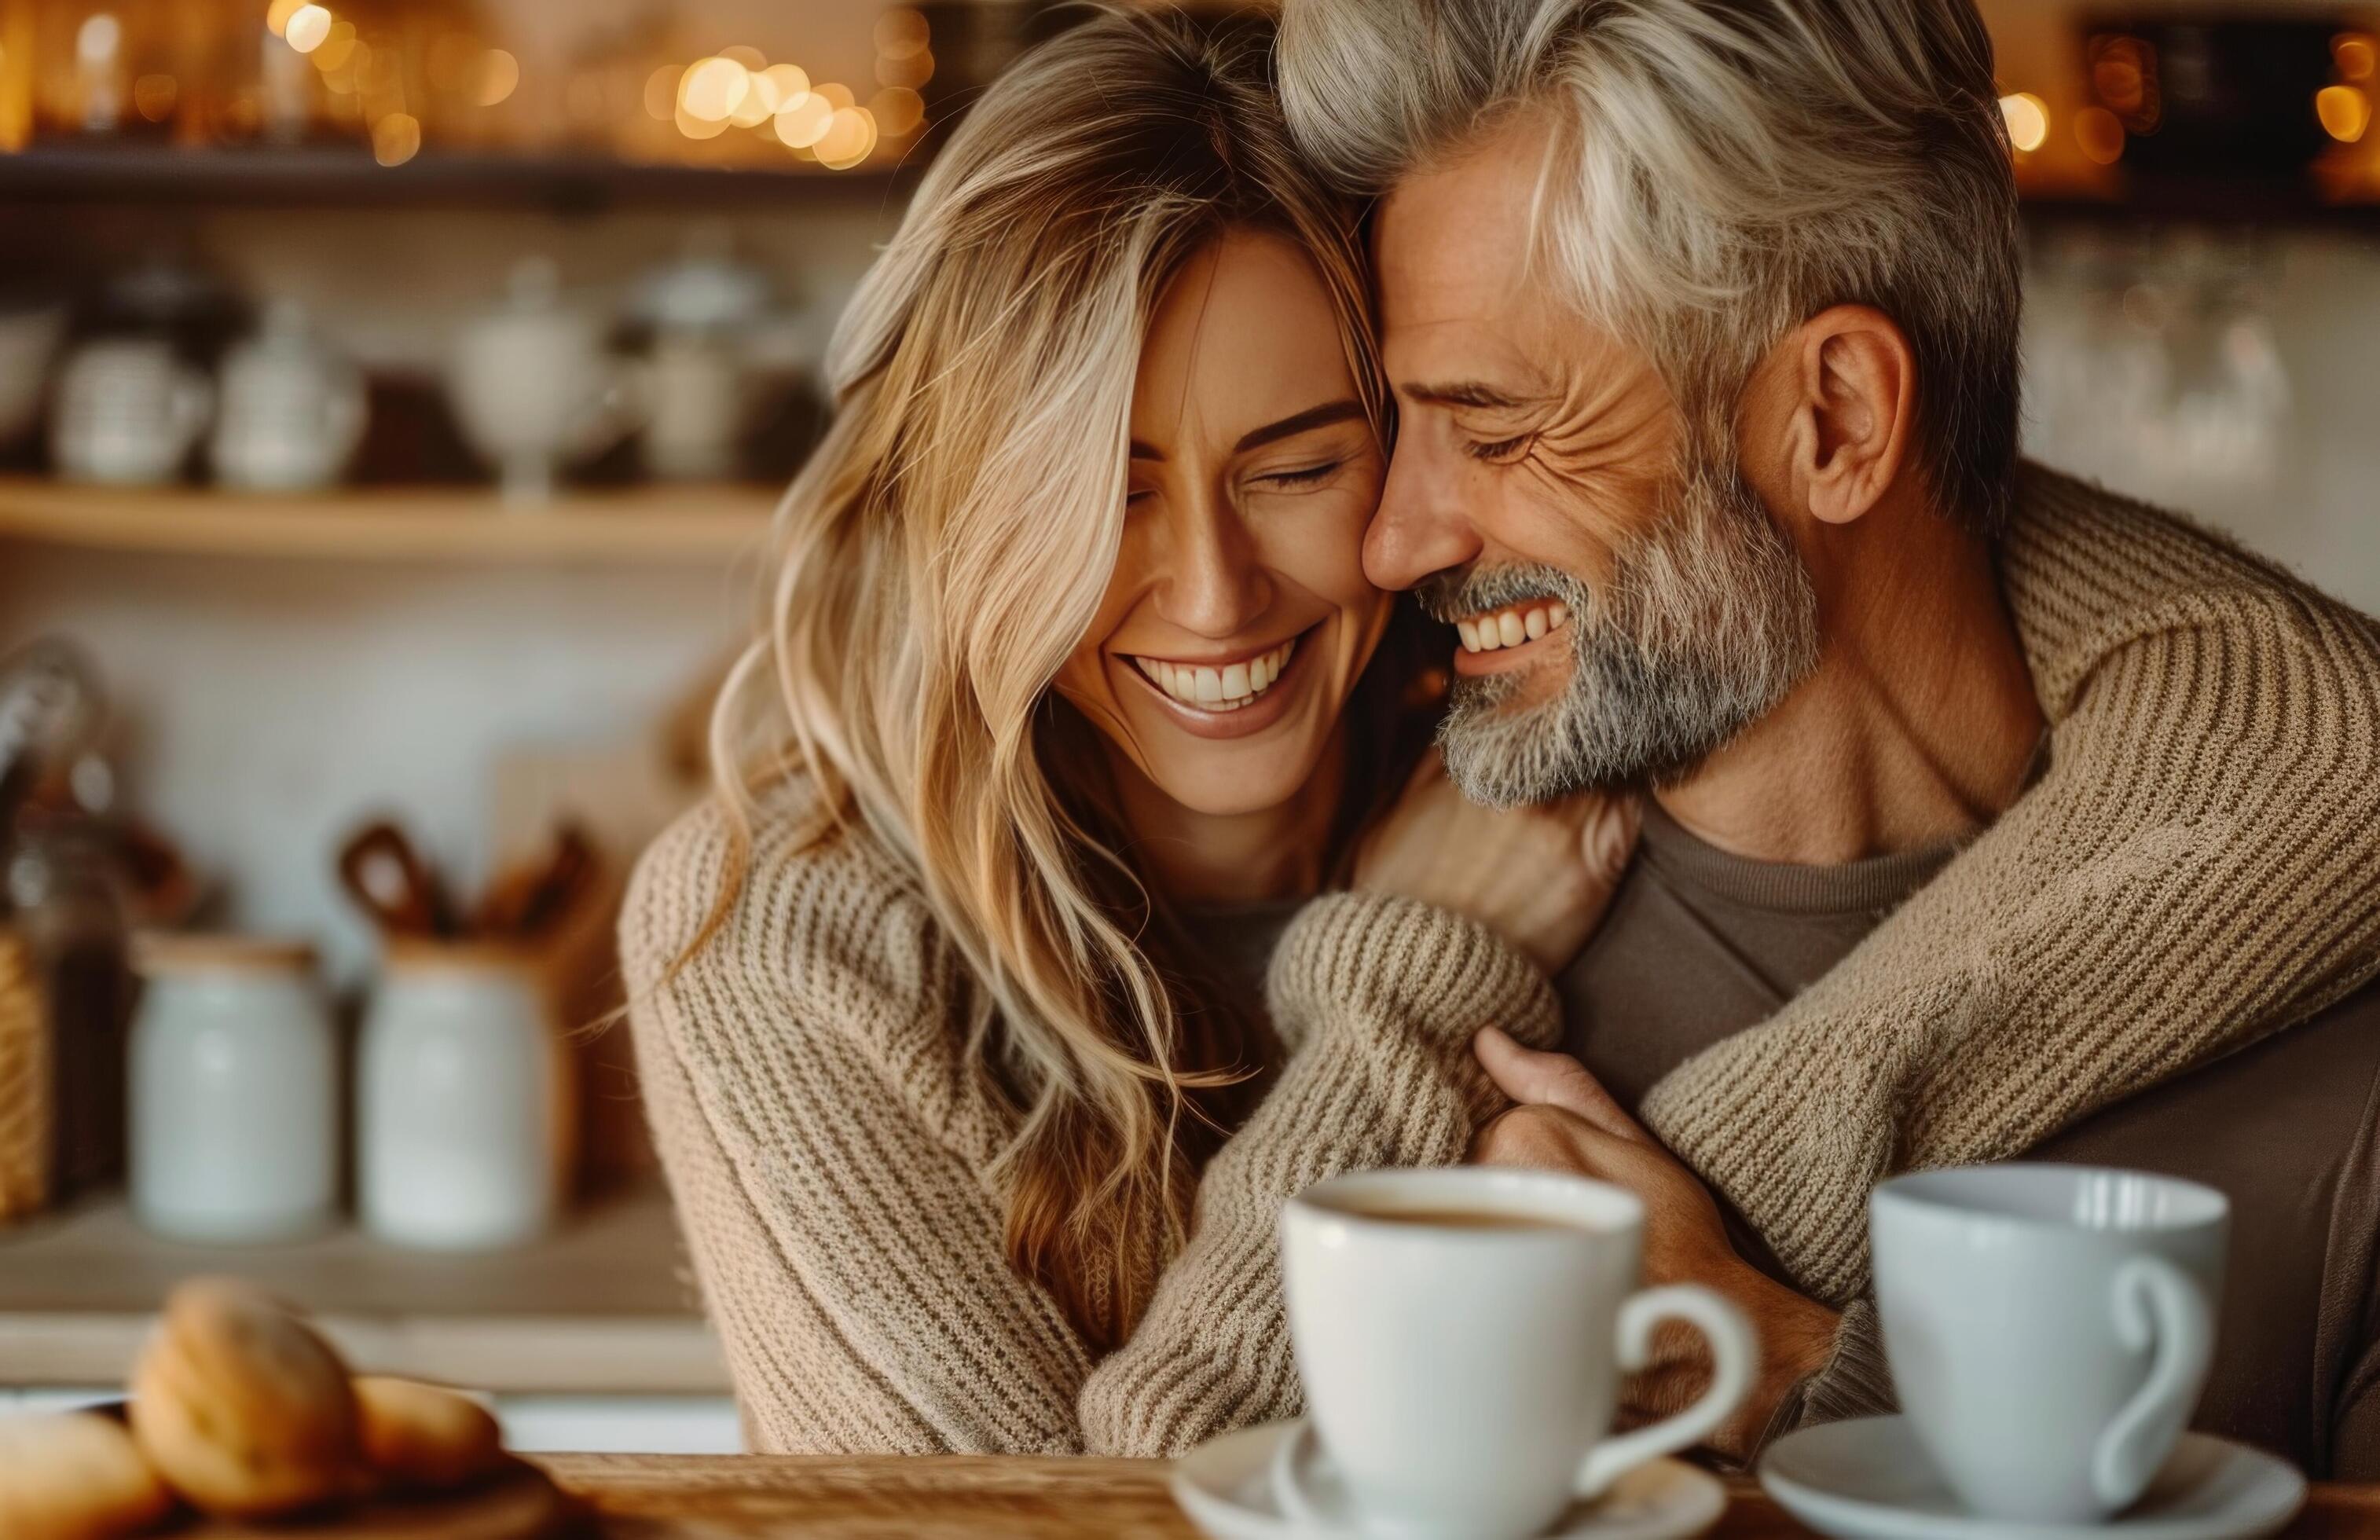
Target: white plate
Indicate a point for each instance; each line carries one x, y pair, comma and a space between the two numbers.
1225, 1484
1868, 1479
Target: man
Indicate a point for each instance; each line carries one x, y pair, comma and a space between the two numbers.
1702, 321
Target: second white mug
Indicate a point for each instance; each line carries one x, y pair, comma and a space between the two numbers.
1461, 1334
2049, 1326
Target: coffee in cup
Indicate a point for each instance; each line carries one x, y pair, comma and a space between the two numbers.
2049, 1328
1461, 1334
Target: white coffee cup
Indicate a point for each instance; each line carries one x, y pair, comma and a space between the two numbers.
2049, 1328
1461, 1334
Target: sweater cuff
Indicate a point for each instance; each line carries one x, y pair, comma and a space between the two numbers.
1354, 961
1855, 1381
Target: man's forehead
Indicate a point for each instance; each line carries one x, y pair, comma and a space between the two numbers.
1451, 242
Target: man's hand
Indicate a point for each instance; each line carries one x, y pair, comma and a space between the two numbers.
1564, 1120
1539, 876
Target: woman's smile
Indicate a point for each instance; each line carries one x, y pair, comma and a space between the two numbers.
1224, 695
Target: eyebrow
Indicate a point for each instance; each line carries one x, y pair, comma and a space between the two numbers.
1330, 412
1463, 392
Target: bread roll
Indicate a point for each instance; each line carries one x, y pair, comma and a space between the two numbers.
422, 1436
240, 1407
75, 1475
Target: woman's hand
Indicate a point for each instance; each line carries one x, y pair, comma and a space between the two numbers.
1539, 876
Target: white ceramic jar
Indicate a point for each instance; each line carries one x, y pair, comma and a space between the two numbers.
234, 1089
463, 1102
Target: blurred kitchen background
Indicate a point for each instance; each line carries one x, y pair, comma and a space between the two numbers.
392, 397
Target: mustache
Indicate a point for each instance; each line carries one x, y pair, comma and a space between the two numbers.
1457, 593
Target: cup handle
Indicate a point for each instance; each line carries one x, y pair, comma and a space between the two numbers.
1733, 1349
2154, 1303
1289, 1493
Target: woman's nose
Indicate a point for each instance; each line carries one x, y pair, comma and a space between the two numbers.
1215, 584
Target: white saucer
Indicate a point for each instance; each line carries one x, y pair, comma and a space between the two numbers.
1868, 1479
1225, 1484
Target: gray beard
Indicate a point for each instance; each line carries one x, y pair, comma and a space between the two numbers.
1709, 621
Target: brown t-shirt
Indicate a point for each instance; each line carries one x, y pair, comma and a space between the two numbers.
1700, 944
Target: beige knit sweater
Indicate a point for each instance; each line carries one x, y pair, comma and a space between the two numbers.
2192, 870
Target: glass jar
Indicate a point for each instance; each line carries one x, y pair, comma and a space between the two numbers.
462, 1101
234, 1119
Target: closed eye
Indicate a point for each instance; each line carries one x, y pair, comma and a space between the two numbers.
1306, 476
1502, 449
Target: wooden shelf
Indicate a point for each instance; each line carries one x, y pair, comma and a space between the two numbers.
599, 1306
346, 175
679, 525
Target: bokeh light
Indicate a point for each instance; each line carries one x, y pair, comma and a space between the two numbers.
849, 138
307, 27
838, 95
698, 127
2355, 56
911, 71
396, 138
152, 96
712, 89
2345, 112
661, 93
277, 15
901, 33
2028, 120
897, 110
751, 58
801, 125
338, 48
2100, 134
499, 77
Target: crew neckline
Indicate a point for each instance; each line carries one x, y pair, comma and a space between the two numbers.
1785, 887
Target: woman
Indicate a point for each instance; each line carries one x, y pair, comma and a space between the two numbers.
1073, 636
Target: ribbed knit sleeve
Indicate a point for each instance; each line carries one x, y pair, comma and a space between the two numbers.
1377, 998
2196, 868
827, 1156
829, 1147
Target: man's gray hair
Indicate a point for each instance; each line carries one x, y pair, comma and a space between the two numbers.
1721, 171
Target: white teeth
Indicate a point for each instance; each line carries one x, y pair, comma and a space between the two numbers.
1225, 689
1505, 628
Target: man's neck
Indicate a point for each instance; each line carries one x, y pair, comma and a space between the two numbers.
1270, 853
1917, 727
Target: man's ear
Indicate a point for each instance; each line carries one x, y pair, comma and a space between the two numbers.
1853, 382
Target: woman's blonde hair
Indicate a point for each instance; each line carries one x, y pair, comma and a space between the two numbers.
946, 548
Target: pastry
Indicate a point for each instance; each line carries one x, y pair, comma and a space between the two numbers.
241, 1407
75, 1475
422, 1436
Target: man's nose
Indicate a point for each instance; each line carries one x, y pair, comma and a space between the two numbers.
1216, 586
1422, 525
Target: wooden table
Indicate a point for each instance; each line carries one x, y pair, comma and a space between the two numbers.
803, 1497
